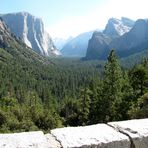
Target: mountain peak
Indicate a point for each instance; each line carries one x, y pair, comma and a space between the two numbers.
114, 21
116, 27
22, 13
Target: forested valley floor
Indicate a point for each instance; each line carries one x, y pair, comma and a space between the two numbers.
70, 92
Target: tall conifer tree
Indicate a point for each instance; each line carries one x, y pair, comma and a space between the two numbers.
112, 86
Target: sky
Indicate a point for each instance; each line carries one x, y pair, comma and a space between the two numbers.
65, 18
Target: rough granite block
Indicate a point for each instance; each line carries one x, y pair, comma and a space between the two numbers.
99, 135
137, 130
24, 140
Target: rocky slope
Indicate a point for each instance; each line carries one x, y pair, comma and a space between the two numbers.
31, 31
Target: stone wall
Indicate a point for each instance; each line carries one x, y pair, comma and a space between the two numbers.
123, 134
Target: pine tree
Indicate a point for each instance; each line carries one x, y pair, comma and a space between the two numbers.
127, 97
140, 109
84, 106
139, 79
69, 110
96, 89
112, 89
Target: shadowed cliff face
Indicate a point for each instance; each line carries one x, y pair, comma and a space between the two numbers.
31, 30
98, 46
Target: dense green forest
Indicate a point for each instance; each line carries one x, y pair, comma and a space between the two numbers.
70, 92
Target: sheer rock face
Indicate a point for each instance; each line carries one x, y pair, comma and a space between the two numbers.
3, 30
12, 48
31, 30
98, 46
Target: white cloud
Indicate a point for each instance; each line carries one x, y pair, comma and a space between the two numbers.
133, 9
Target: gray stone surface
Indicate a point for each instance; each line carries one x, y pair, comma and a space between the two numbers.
137, 130
24, 140
100, 135
123, 134
52, 141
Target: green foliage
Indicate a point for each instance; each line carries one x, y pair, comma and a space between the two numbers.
3, 118
84, 106
140, 108
95, 114
47, 120
44, 95
139, 79
31, 92
37, 93
70, 111
112, 89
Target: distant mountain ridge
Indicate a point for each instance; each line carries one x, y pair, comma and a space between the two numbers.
77, 46
99, 44
31, 31
114, 29
60, 42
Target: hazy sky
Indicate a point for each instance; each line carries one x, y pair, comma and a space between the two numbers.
64, 18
